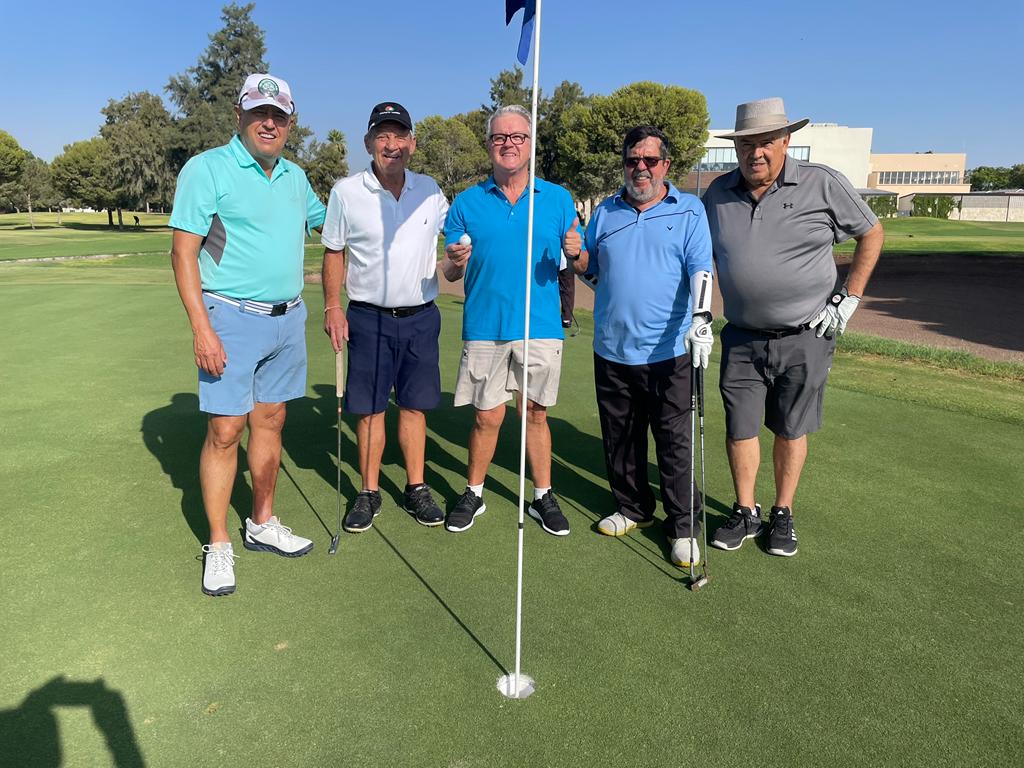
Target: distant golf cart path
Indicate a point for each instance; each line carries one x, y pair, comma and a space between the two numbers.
963, 302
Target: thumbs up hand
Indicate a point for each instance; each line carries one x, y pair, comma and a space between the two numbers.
572, 242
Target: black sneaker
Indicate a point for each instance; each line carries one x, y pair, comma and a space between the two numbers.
781, 534
744, 523
360, 515
420, 504
465, 510
546, 510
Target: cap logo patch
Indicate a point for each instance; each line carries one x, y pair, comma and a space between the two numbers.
268, 87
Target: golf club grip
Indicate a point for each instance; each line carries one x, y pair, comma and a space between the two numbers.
339, 372
700, 392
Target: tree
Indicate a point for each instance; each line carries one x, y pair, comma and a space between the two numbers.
326, 162
36, 186
507, 88
986, 178
206, 93
137, 132
550, 122
590, 145
447, 150
85, 174
12, 158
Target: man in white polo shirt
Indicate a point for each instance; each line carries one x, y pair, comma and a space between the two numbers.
380, 240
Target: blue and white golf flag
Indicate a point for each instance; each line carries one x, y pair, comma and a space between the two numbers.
529, 8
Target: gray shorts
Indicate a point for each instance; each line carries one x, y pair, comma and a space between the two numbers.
777, 379
492, 371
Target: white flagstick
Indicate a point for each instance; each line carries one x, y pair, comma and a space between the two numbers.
520, 686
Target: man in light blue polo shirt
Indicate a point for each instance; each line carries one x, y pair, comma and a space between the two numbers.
493, 214
649, 248
241, 212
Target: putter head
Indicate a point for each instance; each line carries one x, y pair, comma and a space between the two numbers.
696, 584
334, 545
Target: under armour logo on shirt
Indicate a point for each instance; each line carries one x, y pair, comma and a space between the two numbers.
787, 205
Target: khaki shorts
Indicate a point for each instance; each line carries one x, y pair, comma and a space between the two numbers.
491, 371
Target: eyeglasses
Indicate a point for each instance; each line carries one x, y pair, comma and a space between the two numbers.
650, 162
499, 139
255, 94
266, 112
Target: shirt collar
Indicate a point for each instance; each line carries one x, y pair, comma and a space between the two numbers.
372, 183
671, 196
490, 185
244, 159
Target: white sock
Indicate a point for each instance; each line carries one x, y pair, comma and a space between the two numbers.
477, 489
538, 493
221, 545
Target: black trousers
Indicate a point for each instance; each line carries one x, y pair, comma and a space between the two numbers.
632, 399
567, 293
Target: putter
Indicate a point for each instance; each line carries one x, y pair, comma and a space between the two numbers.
339, 388
702, 580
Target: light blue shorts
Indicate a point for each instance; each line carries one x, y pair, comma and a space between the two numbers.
266, 358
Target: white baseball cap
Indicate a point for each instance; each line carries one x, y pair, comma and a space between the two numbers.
261, 88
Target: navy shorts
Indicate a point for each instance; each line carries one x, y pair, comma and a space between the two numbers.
388, 353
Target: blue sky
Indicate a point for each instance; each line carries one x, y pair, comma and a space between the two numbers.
941, 76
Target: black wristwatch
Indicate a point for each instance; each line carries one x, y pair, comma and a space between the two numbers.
572, 258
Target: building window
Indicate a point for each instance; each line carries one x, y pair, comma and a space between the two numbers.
724, 158
918, 177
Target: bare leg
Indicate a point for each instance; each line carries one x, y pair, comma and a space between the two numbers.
265, 424
789, 457
412, 438
744, 460
218, 465
483, 439
538, 444
370, 436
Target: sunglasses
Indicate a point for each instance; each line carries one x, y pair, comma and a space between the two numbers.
254, 94
499, 139
650, 162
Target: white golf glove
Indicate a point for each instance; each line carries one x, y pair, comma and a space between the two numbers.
699, 341
832, 319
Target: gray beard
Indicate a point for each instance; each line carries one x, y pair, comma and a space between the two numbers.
644, 197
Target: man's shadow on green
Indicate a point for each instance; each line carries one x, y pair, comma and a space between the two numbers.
174, 434
30, 733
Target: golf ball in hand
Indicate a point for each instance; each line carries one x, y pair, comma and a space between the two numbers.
465, 239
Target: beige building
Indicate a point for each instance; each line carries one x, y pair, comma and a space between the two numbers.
919, 172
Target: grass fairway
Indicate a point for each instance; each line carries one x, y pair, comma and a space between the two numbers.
890, 639
924, 236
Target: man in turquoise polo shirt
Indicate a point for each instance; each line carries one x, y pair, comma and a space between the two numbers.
241, 212
494, 215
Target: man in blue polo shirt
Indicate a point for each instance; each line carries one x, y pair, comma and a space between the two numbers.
494, 215
241, 212
649, 248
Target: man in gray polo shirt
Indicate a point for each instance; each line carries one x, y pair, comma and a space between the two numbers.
774, 221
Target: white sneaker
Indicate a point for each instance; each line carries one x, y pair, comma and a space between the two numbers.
218, 569
685, 552
274, 537
618, 524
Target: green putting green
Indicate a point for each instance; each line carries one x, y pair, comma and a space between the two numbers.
889, 640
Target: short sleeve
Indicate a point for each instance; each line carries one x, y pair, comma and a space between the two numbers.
442, 209
315, 210
335, 232
698, 243
454, 223
851, 214
195, 198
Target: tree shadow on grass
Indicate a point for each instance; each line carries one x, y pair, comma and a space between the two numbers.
174, 434
30, 733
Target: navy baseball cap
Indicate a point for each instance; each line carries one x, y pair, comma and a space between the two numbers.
389, 111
